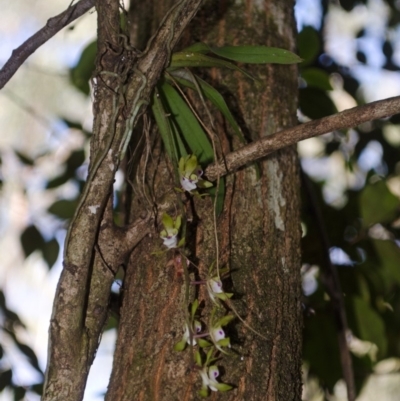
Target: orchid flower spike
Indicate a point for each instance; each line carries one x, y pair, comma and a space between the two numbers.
190, 174
217, 333
181, 345
209, 378
215, 290
171, 229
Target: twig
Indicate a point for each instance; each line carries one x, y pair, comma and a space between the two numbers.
53, 25
290, 136
332, 285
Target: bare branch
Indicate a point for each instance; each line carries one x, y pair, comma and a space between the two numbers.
53, 25
265, 146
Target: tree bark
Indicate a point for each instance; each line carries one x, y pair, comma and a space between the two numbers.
258, 234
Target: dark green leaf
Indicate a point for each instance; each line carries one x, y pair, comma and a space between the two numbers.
199, 47
50, 252
389, 255
31, 239
191, 60
164, 126
82, 72
378, 204
316, 78
37, 388
315, 103
75, 125
370, 325
5, 379
219, 206
24, 159
19, 393
28, 352
187, 124
64, 209
58, 181
308, 45
186, 79
75, 160
257, 54
320, 349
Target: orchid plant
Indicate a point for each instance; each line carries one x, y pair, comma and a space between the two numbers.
169, 234
209, 373
190, 174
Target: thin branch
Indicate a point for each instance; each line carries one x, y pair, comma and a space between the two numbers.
332, 284
290, 136
53, 25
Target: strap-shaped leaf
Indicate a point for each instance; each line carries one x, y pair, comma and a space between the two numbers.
192, 59
164, 127
219, 206
198, 47
256, 54
187, 124
186, 79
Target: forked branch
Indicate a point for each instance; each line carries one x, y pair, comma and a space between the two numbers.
53, 25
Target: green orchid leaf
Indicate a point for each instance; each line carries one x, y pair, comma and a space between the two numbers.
209, 356
220, 196
257, 54
225, 342
197, 358
223, 387
181, 242
180, 346
204, 184
191, 60
194, 307
164, 127
203, 392
224, 295
181, 165
186, 79
187, 124
203, 343
225, 320
178, 222
198, 47
167, 221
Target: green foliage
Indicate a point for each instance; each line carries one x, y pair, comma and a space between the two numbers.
378, 204
257, 54
370, 325
308, 45
82, 72
188, 127
64, 209
316, 78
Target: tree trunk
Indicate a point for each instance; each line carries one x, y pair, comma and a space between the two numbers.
258, 235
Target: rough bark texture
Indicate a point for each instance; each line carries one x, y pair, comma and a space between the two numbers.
124, 83
259, 237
